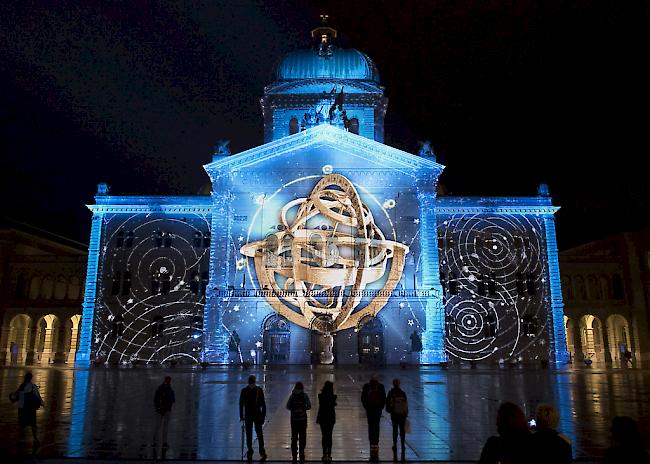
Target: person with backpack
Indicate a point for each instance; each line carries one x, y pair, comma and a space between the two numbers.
397, 406
163, 400
373, 399
298, 404
252, 411
29, 401
326, 418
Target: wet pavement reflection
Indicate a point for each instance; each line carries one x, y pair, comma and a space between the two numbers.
108, 412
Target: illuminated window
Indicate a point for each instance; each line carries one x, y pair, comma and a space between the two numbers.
294, 128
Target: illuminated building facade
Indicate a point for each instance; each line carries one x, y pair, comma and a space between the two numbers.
323, 245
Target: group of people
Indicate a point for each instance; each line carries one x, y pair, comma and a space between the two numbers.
539, 442
252, 413
518, 441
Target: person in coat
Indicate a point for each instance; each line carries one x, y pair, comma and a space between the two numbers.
163, 400
29, 401
627, 443
373, 399
397, 406
298, 404
326, 418
252, 411
513, 445
548, 444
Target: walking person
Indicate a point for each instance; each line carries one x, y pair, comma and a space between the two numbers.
29, 401
298, 404
326, 418
252, 411
163, 400
373, 399
397, 406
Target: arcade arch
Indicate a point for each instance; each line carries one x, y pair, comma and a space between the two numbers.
618, 333
18, 339
591, 333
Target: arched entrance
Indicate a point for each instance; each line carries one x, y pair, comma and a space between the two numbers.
592, 338
371, 341
17, 344
276, 340
47, 339
618, 332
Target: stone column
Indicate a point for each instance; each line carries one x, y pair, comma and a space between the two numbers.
433, 338
215, 338
46, 354
29, 353
73, 344
577, 342
5, 346
558, 349
90, 294
607, 355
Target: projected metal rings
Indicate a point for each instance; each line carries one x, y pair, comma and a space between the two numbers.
312, 272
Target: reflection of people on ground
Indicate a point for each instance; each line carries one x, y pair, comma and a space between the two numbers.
163, 400
397, 406
252, 411
373, 399
627, 446
513, 445
326, 417
29, 400
298, 404
548, 444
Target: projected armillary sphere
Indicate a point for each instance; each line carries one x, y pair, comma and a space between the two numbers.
318, 267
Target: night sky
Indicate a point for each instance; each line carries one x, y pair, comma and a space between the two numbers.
511, 93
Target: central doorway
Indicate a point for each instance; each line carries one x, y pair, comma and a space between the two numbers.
371, 341
276, 340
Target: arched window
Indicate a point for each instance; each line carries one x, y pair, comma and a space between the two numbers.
353, 126
195, 283
126, 283
453, 284
60, 288
157, 327
119, 243
490, 326
579, 285
617, 287
294, 128
603, 281
117, 280
128, 242
117, 327
567, 288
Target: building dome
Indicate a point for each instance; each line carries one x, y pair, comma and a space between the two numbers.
338, 63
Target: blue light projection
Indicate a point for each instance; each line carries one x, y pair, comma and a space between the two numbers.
201, 279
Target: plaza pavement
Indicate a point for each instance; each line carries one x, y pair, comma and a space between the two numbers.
107, 413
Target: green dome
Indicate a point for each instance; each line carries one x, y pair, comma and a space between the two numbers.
343, 63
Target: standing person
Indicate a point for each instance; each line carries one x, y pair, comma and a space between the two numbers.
252, 411
373, 399
163, 400
512, 446
29, 400
548, 444
627, 445
326, 417
298, 404
397, 406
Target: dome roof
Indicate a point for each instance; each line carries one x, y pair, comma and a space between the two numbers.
343, 63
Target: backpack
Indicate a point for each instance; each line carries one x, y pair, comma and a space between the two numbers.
31, 401
375, 400
400, 406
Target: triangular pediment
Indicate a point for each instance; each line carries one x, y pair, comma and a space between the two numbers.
357, 150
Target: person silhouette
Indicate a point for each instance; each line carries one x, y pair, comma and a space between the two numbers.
252, 412
373, 399
326, 418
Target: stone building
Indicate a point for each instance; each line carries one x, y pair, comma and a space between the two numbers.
606, 291
41, 285
322, 245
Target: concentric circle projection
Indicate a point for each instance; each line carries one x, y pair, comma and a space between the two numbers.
495, 279
152, 290
311, 272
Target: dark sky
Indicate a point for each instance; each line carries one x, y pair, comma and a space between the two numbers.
511, 93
